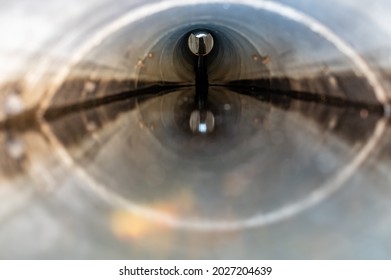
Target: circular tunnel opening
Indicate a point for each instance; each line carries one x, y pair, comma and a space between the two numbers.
270, 111
294, 107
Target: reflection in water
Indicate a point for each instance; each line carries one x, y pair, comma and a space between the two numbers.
263, 154
266, 153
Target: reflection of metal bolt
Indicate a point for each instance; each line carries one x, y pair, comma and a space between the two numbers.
202, 121
200, 43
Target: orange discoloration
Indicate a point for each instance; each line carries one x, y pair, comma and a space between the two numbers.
126, 225
265, 60
140, 63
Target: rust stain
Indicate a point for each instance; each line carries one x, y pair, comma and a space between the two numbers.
265, 60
